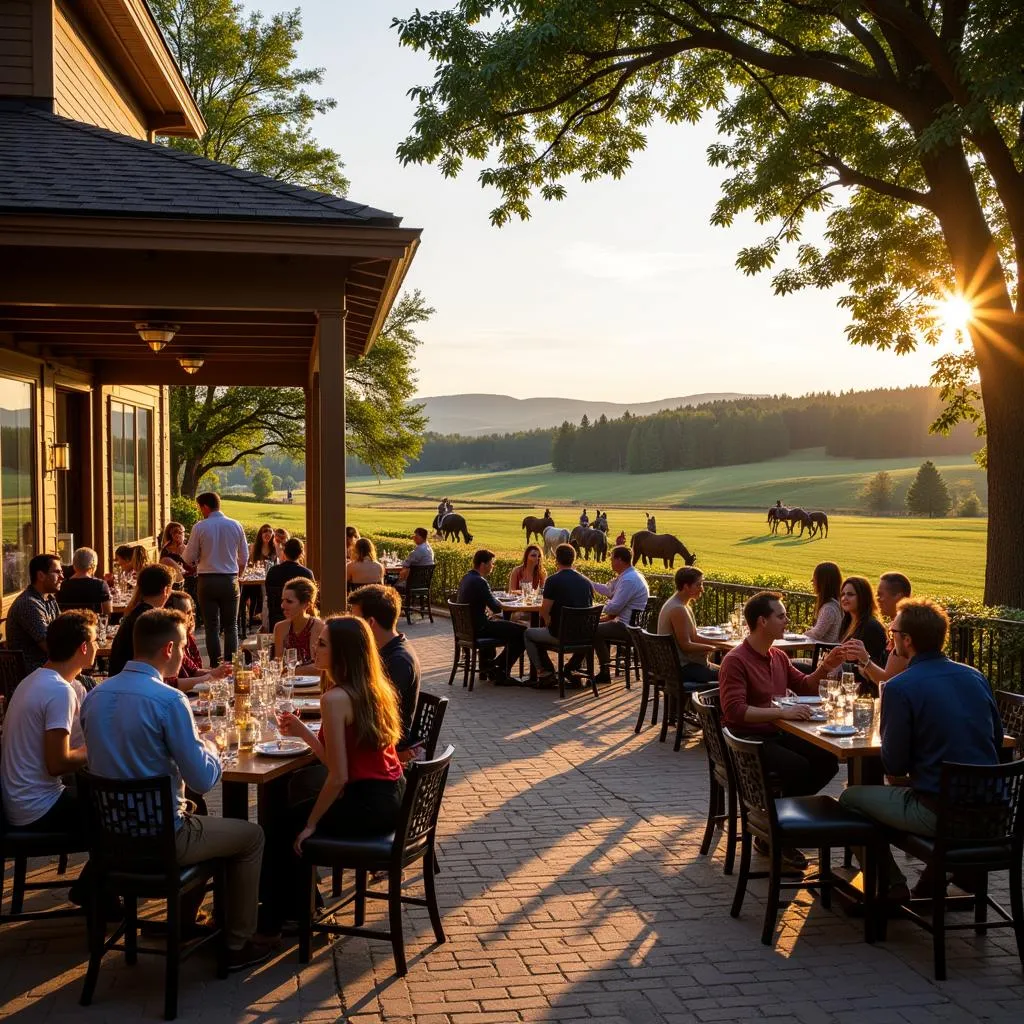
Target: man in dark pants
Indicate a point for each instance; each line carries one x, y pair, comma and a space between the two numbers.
475, 591
750, 678
218, 548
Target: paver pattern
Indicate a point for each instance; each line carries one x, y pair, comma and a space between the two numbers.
571, 889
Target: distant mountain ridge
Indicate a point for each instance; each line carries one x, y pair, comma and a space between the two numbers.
472, 415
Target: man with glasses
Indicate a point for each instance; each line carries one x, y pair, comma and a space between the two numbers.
34, 609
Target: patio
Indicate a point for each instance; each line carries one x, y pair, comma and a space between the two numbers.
572, 888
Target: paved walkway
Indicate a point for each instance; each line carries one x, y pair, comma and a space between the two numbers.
572, 888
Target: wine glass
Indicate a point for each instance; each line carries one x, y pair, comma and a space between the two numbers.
291, 660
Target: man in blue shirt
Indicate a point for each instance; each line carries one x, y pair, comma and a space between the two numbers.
627, 593
935, 710
137, 727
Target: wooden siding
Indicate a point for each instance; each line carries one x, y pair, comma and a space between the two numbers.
16, 48
86, 88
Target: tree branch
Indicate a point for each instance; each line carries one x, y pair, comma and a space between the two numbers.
851, 176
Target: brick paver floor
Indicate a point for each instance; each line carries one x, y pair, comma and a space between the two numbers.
572, 888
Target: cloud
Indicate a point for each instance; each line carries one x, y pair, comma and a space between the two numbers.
632, 265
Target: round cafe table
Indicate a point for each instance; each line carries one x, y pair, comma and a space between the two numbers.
512, 604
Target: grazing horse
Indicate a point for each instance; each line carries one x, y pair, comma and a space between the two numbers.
817, 521
589, 540
553, 536
452, 526
792, 516
648, 546
536, 525
776, 514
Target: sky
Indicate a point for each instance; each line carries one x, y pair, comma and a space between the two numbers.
623, 291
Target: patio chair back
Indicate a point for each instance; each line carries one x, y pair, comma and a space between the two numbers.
642, 616
662, 659
707, 706
12, 671
425, 782
1011, 711
426, 723
577, 627
757, 803
980, 805
419, 579
462, 622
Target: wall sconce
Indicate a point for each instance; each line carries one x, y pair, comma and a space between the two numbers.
60, 457
157, 335
191, 364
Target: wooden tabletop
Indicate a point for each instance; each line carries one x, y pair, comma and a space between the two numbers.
728, 643
508, 605
251, 581
258, 769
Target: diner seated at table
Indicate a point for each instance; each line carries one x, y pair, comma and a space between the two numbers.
34, 609
379, 607
81, 589
530, 571
860, 622
627, 593
136, 727
475, 591
893, 587
152, 590
362, 792
262, 551
192, 669
565, 588
751, 678
290, 567
172, 546
300, 627
676, 618
281, 536
421, 554
364, 567
351, 536
42, 739
827, 583
131, 559
935, 710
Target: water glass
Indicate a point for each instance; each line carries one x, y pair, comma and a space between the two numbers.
863, 715
291, 659
101, 632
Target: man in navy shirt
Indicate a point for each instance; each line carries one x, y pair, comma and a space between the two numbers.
475, 591
935, 710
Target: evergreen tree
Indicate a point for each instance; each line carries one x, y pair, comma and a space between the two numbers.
928, 494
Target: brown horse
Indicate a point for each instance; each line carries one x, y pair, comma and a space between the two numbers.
817, 521
450, 527
648, 546
589, 540
536, 525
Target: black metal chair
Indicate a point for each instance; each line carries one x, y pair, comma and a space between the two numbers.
577, 630
426, 722
979, 829
722, 811
12, 671
416, 592
661, 660
649, 685
623, 648
810, 821
19, 845
132, 850
468, 645
1011, 711
412, 840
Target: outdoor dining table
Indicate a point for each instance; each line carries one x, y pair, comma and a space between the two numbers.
270, 777
790, 642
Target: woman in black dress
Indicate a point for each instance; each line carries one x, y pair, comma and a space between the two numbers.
860, 622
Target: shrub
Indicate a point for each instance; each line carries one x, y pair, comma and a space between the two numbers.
969, 507
262, 483
185, 511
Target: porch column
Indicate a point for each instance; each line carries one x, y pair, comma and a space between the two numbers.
313, 474
330, 508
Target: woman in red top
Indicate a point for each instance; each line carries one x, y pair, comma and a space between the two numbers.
192, 670
300, 628
362, 793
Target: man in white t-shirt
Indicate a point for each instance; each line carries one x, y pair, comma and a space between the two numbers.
41, 727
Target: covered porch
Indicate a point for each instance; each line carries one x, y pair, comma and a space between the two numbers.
266, 284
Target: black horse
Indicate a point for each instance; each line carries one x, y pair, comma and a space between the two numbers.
817, 521
451, 526
589, 540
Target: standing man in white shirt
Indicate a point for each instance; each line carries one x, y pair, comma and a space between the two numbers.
42, 734
627, 593
218, 548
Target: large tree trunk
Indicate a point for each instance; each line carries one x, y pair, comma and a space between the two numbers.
1002, 380
190, 478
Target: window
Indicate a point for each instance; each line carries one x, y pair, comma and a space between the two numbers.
16, 482
131, 432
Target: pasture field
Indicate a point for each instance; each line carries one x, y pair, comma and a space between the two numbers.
806, 478
941, 556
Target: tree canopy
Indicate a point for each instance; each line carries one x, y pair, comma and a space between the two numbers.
241, 70
900, 121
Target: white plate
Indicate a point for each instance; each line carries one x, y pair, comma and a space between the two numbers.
838, 730
307, 680
281, 748
201, 688
794, 636
808, 700
305, 703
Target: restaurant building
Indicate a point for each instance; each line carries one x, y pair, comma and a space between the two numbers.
127, 267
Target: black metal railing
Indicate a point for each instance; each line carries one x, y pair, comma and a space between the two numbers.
995, 647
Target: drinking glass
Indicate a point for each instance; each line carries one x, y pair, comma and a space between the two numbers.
104, 621
291, 659
863, 715
823, 689
835, 691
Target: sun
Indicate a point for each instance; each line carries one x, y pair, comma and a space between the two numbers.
955, 312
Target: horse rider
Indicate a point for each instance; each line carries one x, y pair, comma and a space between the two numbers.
547, 513
778, 503
621, 539
584, 519
652, 526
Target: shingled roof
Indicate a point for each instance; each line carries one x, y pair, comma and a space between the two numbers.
49, 164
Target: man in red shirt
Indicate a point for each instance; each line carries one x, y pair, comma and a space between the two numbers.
755, 673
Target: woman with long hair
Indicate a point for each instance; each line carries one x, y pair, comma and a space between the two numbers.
530, 571
860, 622
192, 670
351, 536
300, 628
263, 549
827, 582
364, 567
362, 792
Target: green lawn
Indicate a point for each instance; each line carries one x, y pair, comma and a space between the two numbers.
941, 557
807, 478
